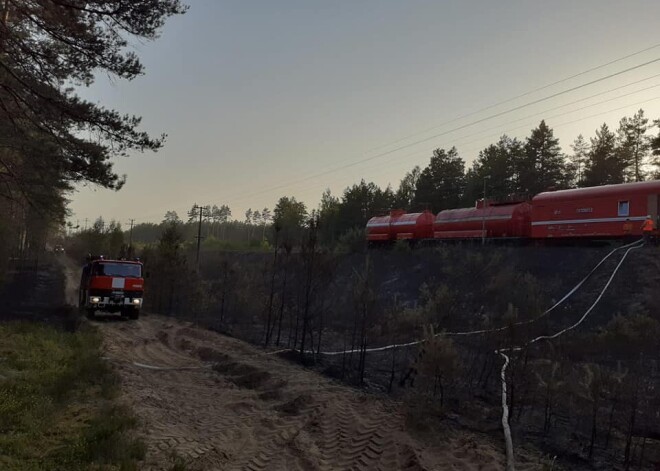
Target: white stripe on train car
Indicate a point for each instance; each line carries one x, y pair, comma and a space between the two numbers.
404, 223
585, 221
378, 224
474, 218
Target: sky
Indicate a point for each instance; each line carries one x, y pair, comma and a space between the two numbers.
261, 99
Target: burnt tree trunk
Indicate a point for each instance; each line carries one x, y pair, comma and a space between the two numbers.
271, 295
282, 301
594, 420
309, 278
631, 427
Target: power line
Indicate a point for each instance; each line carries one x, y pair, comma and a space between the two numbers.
522, 95
526, 125
563, 106
464, 126
332, 170
526, 94
541, 113
551, 117
536, 114
643, 102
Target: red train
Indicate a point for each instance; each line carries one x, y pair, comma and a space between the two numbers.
604, 212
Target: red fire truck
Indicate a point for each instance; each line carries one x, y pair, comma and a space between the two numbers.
115, 286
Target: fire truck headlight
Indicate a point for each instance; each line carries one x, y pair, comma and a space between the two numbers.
136, 301
95, 300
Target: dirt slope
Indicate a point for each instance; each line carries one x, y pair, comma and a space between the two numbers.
220, 403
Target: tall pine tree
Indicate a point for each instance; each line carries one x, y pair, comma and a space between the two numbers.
578, 160
361, 202
655, 149
499, 164
441, 183
404, 197
634, 145
543, 167
604, 165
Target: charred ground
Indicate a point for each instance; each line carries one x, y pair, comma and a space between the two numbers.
588, 397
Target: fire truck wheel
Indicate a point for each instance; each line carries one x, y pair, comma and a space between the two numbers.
90, 314
131, 313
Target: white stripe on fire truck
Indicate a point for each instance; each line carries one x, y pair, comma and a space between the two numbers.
585, 221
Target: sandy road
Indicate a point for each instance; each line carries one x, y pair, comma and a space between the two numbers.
222, 404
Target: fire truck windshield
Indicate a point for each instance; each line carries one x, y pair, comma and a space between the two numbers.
126, 270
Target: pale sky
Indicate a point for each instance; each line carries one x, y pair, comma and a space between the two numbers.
264, 98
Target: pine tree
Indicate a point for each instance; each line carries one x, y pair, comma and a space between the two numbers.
634, 145
52, 138
47, 46
500, 165
655, 148
362, 201
404, 197
328, 215
579, 159
442, 182
171, 217
543, 167
604, 165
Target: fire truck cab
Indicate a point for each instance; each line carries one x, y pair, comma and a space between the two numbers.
115, 286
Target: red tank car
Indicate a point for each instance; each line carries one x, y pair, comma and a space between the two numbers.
415, 226
379, 228
602, 211
499, 220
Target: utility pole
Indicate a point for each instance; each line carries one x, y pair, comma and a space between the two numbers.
483, 212
130, 239
196, 207
85, 224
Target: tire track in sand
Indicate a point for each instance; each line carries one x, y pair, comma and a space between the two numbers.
252, 411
